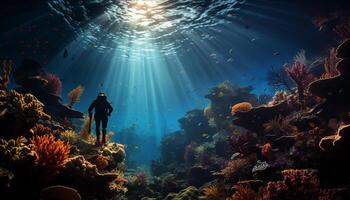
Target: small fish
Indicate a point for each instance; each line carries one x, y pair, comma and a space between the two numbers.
230, 60
205, 135
276, 53
65, 53
230, 51
235, 155
253, 40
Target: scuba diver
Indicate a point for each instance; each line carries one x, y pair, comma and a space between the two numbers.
103, 110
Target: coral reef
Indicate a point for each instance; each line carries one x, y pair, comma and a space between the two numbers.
5, 74
21, 110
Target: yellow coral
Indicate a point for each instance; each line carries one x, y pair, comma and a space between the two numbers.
69, 136
213, 192
74, 95
241, 107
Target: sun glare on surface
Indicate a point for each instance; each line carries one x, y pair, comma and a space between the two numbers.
144, 13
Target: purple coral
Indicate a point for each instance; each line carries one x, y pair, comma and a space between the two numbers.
53, 85
301, 76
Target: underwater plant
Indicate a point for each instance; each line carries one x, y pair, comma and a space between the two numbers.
85, 132
300, 75
53, 85
278, 79
213, 192
51, 153
74, 95
5, 74
241, 107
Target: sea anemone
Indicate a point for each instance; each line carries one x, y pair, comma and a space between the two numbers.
51, 153
241, 107
69, 136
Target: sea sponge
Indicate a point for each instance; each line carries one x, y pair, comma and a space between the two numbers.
241, 107
51, 153
266, 151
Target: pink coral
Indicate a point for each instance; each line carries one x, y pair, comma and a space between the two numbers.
301, 76
53, 85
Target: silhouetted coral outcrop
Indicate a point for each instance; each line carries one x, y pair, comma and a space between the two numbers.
335, 90
46, 87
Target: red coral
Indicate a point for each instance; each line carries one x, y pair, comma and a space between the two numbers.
53, 85
301, 76
266, 151
297, 184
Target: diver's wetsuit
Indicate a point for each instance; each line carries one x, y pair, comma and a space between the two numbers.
102, 110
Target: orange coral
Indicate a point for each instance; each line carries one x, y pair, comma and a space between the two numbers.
213, 192
51, 153
74, 95
244, 192
101, 162
241, 107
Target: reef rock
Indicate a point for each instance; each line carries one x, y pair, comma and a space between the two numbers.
29, 77
335, 90
59, 192
256, 117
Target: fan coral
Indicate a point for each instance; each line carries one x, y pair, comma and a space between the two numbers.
139, 179
330, 63
53, 85
241, 107
266, 151
278, 125
69, 136
74, 95
213, 192
296, 184
5, 75
244, 192
86, 130
300, 75
51, 153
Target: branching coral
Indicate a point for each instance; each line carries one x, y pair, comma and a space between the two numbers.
69, 136
233, 166
241, 107
244, 192
213, 192
5, 75
296, 184
330, 64
53, 85
51, 153
300, 75
21, 111
74, 95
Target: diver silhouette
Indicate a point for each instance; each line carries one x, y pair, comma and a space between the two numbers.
103, 110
